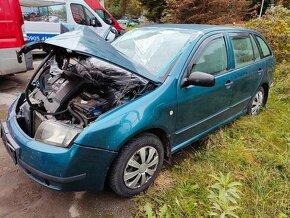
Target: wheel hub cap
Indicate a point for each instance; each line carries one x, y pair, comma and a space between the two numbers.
257, 102
143, 168
140, 167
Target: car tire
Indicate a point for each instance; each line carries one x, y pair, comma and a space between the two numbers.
257, 102
137, 165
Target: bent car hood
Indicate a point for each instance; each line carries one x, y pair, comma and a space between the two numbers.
86, 41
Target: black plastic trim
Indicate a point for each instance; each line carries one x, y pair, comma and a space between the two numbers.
36, 172
10, 145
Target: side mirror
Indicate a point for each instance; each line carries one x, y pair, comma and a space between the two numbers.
199, 79
113, 30
94, 22
110, 21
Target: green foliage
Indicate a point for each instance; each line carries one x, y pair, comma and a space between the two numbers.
275, 26
118, 8
154, 9
255, 149
211, 12
134, 8
162, 213
223, 196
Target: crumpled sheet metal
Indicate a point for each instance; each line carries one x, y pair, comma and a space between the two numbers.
115, 81
86, 41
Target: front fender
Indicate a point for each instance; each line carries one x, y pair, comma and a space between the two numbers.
112, 130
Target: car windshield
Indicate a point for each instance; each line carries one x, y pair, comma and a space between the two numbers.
154, 48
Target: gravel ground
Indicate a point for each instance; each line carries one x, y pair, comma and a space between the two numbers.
22, 197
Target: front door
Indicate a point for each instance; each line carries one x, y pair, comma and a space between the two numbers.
203, 108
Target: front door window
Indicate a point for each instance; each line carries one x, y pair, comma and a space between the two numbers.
82, 15
105, 17
213, 59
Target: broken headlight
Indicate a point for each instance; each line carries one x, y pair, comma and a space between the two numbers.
57, 134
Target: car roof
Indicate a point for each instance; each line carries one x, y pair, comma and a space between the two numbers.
198, 27
39, 3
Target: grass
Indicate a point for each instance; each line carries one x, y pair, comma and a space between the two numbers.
253, 149
131, 28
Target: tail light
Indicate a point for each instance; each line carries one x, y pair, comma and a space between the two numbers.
24, 34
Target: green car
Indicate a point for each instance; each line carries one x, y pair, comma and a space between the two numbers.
96, 113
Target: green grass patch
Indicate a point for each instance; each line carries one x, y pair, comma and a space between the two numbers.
131, 28
253, 149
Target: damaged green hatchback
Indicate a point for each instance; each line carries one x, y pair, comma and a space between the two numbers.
96, 113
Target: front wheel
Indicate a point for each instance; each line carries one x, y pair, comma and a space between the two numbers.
137, 165
257, 102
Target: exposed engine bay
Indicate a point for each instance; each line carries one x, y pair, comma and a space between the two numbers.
75, 90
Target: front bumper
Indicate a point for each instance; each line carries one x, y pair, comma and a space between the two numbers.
78, 168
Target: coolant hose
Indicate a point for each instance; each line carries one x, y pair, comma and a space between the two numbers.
74, 114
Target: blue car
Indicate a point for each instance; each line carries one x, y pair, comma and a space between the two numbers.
96, 113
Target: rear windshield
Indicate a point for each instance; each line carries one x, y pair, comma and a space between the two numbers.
154, 48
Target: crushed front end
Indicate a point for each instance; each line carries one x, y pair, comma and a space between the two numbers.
66, 94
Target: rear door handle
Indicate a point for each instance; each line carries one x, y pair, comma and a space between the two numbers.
228, 84
260, 71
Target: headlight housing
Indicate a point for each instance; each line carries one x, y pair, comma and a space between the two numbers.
55, 133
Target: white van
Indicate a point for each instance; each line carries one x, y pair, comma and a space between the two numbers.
43, 18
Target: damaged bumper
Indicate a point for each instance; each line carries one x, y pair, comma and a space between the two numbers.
75, 169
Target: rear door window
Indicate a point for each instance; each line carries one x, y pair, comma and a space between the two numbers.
264, 47
213, 58
51, 14
242, 48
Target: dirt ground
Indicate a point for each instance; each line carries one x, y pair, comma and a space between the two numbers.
22, 197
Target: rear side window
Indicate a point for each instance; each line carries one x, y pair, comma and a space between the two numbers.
264, 47
213, 58
256, 50
243, 51
51, 14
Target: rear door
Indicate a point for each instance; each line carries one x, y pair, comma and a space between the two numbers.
11, 37
248, 69
11, 21
267, 56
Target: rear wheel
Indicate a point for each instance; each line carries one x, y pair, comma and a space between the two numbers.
257, 102
137, 165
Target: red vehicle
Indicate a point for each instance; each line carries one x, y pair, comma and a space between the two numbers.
104, 14
11, 38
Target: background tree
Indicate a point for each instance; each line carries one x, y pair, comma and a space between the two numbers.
154, 9
210, 12
275, 26
134, 8
118, 8
113, 6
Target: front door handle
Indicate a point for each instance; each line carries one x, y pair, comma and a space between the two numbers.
228, 84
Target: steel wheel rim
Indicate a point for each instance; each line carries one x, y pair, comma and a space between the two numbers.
257, 102
141, 166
